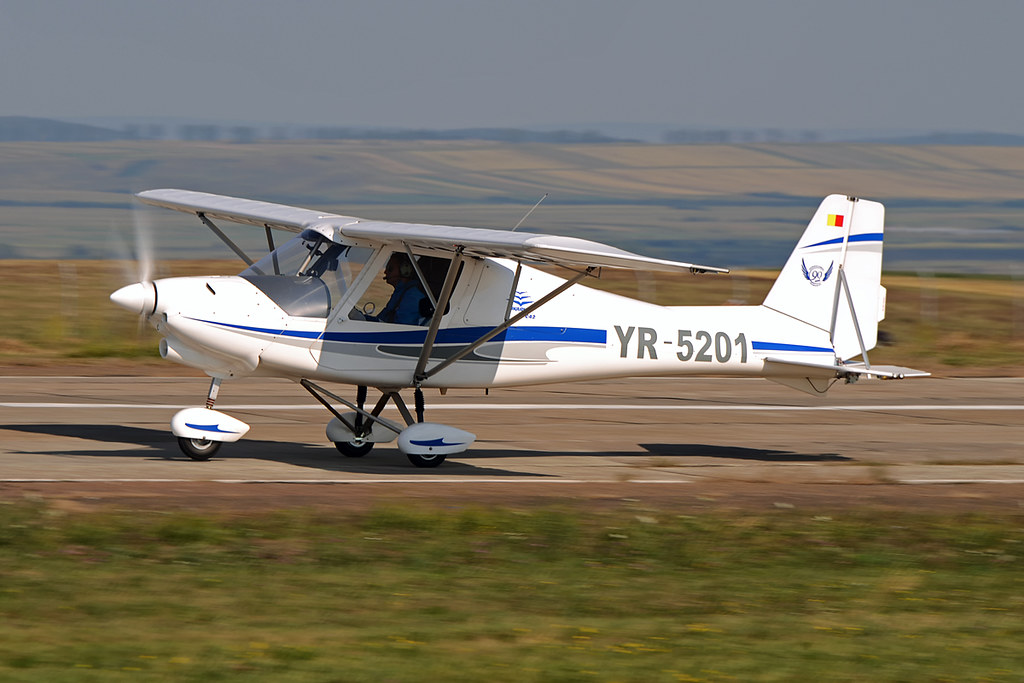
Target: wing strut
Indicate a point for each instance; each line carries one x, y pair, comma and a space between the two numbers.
224, 238
272, 248
421, 375
515, 287
439, 307
419, 274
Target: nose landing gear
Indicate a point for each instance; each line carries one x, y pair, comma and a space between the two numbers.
201, 431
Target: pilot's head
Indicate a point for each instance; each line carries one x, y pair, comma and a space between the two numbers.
398, 269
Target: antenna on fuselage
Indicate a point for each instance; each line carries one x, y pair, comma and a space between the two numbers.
530, 211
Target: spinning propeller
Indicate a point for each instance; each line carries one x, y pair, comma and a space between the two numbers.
140, 297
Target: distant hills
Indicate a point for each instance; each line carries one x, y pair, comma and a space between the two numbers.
28, 129
31, 129
960, 211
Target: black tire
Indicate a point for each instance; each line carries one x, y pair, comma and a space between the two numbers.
351, 450
426, 460
198, 449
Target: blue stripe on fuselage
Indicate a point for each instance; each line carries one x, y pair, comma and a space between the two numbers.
468, 335
457, 335
776, 346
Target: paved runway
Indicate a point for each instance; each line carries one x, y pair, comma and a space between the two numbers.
673, 431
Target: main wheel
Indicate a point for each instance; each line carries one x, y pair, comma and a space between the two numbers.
198, 449
425, 460
353, 450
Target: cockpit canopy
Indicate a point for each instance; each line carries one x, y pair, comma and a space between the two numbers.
309, 274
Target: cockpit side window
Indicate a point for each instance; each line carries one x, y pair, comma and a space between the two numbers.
398, 294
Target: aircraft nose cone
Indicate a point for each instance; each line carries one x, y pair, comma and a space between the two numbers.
139, 298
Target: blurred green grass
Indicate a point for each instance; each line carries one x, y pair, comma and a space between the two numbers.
509, 594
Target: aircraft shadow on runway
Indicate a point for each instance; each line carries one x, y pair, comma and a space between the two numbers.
155, 444
674, 450
739, 453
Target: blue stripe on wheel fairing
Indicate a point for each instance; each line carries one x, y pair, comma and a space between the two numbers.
210, 428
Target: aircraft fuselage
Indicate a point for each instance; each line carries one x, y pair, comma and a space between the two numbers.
229, 326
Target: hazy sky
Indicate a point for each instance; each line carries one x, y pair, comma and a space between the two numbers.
792, 64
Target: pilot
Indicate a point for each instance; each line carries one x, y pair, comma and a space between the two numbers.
405, 306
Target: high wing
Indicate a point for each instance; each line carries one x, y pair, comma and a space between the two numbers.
235, 210
480, 242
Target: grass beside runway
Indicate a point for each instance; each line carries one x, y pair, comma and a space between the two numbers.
509, 594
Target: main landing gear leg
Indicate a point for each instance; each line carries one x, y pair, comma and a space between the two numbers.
359, 446
354, 433
418, 396
428, 459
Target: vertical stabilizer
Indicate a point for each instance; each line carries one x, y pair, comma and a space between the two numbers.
832, 279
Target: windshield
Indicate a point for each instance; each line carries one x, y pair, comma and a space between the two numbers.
309, 274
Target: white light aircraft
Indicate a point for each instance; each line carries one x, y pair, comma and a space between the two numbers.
471, 309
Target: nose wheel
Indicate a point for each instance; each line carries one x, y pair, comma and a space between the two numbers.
201, 431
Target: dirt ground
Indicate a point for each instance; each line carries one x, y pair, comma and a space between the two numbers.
217, 497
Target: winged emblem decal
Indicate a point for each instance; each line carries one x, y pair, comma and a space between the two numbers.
816, 274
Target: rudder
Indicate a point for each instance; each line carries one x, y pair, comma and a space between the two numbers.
842, 244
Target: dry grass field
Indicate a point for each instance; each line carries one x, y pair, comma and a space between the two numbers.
950, 208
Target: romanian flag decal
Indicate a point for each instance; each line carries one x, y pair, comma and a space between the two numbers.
835, 220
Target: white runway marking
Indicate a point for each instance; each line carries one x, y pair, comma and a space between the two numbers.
536, 406
441, 480
961, 481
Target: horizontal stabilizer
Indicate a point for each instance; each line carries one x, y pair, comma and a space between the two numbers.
884, 371
840, 370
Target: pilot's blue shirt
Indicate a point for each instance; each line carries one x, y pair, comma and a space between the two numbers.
404, 305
